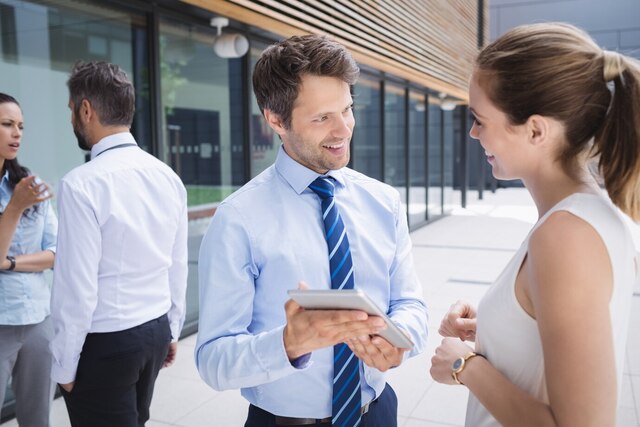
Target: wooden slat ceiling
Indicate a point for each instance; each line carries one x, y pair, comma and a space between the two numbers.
429, 42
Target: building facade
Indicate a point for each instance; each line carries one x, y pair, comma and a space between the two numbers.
196, 110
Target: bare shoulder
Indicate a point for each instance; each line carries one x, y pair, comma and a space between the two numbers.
568, 254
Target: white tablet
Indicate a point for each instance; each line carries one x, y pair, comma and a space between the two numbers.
350, 299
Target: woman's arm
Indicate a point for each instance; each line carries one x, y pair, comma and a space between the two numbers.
24, 196
37, 261
568, 278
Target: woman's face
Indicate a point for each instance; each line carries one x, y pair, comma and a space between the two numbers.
10, 130
502, 142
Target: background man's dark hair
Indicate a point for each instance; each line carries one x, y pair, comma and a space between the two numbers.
279, 70
108, 90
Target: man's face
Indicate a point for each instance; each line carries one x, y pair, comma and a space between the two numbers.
78, 129
321, 124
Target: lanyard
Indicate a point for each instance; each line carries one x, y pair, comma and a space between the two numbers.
126, 144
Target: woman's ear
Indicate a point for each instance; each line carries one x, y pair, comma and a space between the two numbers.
538, 129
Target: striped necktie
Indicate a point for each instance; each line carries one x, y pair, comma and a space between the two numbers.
346, 370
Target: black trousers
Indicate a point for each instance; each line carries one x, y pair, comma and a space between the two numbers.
383, 412
116, 374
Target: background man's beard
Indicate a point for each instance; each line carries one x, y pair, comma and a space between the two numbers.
82, 142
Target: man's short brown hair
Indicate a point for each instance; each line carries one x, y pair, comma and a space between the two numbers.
281, 66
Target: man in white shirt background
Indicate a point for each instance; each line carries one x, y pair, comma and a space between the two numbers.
120, 276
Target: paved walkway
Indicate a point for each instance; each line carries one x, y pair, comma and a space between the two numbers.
456, 257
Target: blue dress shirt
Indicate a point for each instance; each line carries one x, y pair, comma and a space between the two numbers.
263, 240
24, 297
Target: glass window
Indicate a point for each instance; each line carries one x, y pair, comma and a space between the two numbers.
435, 161
265, 143
39, 43
449, 161
202, 102
366, 143
417, 159
203, 129
395, 171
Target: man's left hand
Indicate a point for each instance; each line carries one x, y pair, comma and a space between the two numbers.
68, 387
376, 352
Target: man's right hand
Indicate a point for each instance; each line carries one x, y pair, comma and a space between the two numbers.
309, 330
459, 322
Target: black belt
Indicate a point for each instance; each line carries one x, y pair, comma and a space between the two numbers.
289, 421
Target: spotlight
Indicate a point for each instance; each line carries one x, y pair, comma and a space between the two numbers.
228, 45
446, 104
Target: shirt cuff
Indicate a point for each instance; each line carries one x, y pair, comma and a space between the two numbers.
301, 362
272, 356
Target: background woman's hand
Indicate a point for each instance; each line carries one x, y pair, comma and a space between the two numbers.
27, 193
459, 322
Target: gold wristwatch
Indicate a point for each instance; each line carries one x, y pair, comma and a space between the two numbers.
460, 363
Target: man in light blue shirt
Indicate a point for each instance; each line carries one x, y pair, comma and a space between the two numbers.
269, 235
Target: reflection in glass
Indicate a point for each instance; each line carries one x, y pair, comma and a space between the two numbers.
395, 172
435, 161
417, 159
202, 105
366, 142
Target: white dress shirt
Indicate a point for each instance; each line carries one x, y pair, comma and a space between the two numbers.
122, 248
262, 241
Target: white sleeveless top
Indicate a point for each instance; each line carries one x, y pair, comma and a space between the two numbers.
509, 337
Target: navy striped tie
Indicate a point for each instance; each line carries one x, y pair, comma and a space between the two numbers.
346, 369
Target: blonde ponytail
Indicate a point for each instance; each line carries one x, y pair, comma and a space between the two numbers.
617, 143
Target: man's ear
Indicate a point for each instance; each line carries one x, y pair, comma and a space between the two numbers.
538, 129
86, 112
274, 122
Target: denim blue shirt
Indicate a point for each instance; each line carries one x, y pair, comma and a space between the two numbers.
263, 240
24, 297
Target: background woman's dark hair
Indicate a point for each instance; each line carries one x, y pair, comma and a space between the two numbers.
556, 70
16, 171
279, 70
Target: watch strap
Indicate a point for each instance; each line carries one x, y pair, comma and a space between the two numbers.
12, 260
465, 358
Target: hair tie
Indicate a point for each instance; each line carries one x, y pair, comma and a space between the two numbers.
613, 65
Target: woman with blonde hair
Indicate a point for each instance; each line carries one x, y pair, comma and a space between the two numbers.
550, 333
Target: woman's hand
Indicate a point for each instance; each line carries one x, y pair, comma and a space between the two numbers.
28, 193
442, 361
459, 322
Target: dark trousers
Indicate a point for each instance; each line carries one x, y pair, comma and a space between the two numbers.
383, 412
116, 374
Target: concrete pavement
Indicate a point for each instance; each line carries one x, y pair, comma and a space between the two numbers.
456, 257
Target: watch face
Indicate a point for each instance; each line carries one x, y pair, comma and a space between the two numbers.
458, 363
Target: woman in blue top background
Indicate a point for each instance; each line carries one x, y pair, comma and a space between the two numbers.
28, 229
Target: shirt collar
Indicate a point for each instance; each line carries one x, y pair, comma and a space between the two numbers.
5, 187
111, 141
298, 176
